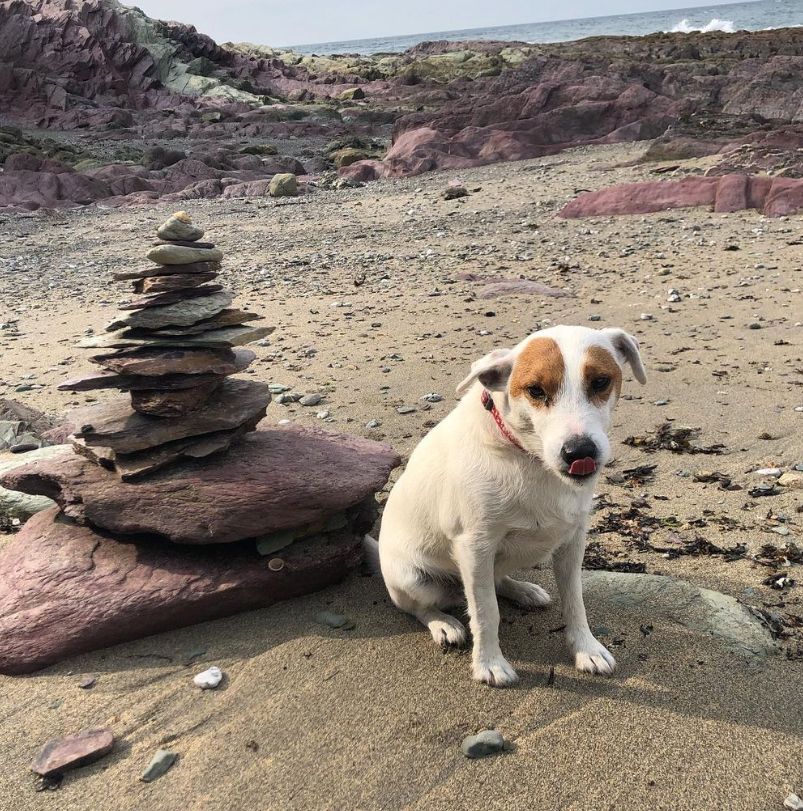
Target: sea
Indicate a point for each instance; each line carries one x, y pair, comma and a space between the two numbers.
751, 16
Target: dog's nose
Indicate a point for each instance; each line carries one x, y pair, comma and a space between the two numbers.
578, 448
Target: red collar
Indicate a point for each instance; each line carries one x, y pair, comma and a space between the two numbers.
488, 405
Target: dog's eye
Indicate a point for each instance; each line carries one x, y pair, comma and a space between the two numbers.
536, 392
599, 384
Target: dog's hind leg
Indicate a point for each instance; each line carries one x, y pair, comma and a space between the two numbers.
414, 592
523, 594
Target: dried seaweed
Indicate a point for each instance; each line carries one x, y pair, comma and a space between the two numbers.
774, 556
667, 437
595, 559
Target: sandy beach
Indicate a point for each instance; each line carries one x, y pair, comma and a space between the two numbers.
368, 290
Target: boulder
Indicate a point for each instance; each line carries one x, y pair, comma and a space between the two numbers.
276, 478
283, 185
65, 589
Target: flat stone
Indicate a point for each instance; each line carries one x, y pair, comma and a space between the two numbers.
178, 403
176, 281
711, 613
225, 318
183, 243
158, 362
61, 754
277, 478
160, 764
183, 255
487, 742
118, 426
20, 505
170, 297
182, 313
792, 479
225, 338
133, 466
110, 380
167, 270
179, 226
65, 589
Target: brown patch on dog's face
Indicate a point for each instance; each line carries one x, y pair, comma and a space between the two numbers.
599, 366
538, 372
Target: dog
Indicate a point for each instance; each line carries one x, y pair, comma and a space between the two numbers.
504, 482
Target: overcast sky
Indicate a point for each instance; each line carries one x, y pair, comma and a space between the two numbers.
298, 22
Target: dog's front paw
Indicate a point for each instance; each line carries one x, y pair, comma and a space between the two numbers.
496, 671
448, 632
591, 656
523, 594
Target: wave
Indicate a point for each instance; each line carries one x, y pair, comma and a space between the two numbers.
684, 27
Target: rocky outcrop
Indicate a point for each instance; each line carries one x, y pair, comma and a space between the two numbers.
774, 197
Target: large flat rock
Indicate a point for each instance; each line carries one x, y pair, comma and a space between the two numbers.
118, 426
65, 589
224, 338
276, 478
179, 314
156, 362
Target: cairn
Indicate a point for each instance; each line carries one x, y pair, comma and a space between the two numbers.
173, 350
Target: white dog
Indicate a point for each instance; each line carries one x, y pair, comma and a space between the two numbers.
502, 483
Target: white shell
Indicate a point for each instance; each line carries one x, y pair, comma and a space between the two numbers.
209, 679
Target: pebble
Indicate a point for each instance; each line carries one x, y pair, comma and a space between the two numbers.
433, 397
405, 409
595, 318
209, 679
333, 620
277, 388
673, 295
72, 751
792, 480
276, 564
646, 316
311, 399
160, 763
322, 415
288, 397
793, 802
87, 682
487, 742
373, 424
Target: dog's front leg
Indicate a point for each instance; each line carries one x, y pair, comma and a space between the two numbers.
475, 559
589, 654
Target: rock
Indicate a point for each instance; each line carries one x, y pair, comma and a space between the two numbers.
133, 466
179, 226
153, 363
791, 479
117, 426
201, 268
20, 505
295, 475
176, 281
225, 318
160, 764
454, 191
184, 255
110, 380
173, 404
209, 679
311, 399
225, 338
793, 802
487, 742
182, 313
170, 297
352, 94
62, 754
283, 185
65, 589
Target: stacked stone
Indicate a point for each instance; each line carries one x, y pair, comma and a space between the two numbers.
173, 350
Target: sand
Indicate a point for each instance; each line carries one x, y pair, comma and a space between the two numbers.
363, 287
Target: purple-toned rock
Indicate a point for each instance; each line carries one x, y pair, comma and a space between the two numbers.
176, 281
110, 380
61, 754
175, 403
65, 589
171, 296
167, 270
155, 362
277, 478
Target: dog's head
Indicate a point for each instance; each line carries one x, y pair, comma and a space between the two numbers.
557, 390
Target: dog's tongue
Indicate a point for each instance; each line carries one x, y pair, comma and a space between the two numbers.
582, 467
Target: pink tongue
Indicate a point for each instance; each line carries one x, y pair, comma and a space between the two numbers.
582, 467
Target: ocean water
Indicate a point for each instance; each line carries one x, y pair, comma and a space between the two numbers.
751, 16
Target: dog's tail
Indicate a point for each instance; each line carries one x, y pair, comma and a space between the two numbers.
371, 548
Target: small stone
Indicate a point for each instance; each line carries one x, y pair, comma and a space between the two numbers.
72, 751
433, 397
595, 318
673, 295
87, 682
209, 679
769, 471
323, 415
647, 317
311, 399
283, 185
276, 564
454, 191
333, 620
793, 802
754, 325
791, 479
405, 409
373, 424
487, 742
277, 388
160, 763
179, 227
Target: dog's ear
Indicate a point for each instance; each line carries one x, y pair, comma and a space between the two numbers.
492, 371
627, 348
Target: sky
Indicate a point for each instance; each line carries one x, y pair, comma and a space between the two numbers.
299, 22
